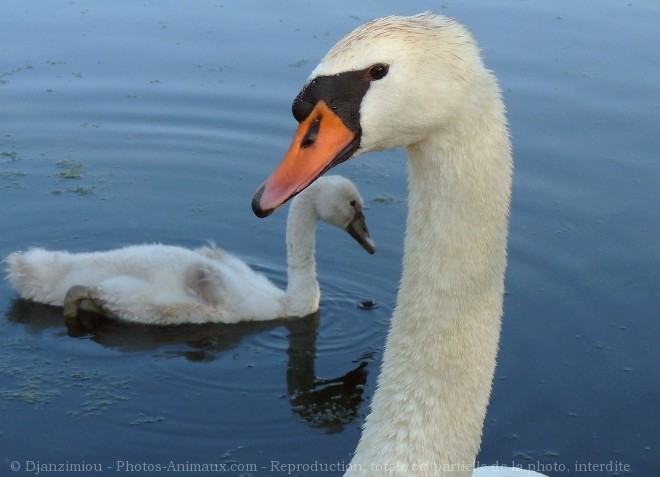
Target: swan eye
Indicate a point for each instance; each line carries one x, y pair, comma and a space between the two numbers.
378, 71
353, 203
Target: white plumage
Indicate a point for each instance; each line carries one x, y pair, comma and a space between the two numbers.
163, 284
419, 82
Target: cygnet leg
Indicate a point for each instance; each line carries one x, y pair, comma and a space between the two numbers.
75, 296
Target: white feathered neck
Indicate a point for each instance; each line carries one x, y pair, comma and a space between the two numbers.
433, 390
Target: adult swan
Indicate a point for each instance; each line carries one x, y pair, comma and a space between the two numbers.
419, 82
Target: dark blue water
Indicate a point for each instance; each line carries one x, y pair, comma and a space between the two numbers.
126, 123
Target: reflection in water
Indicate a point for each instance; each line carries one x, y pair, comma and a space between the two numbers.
326, 403
323, 403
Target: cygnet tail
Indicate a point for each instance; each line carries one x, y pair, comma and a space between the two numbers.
37, 274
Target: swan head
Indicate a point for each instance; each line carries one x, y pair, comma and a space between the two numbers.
337, 201
391, 82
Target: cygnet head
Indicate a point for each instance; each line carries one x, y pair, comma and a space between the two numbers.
391, 82
337, 201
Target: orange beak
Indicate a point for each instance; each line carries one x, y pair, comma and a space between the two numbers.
321, 141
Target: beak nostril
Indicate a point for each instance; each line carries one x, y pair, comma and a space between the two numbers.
312, 133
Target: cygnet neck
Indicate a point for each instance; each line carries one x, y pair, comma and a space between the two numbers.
302, 292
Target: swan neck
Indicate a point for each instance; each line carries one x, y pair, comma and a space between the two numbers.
302, 293
439, 359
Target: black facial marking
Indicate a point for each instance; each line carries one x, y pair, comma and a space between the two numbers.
342, 93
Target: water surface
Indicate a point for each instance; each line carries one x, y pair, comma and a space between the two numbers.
127, 123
